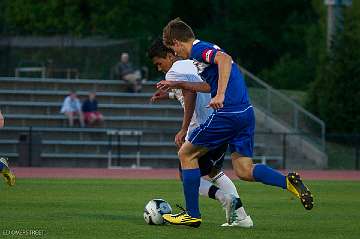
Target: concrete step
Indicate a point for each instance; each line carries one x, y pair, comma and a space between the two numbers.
53, 108
99, 147
110, 121
87, 134
102, 147
162, 135
68, 84
58, 96
95, 147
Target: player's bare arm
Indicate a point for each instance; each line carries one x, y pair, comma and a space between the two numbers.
224, 62
189, 107
185, 85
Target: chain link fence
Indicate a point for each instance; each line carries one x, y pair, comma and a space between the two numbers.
343, 151
64, 57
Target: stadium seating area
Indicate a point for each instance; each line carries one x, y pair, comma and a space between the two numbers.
30, 102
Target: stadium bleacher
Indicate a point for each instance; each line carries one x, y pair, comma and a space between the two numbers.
33, 102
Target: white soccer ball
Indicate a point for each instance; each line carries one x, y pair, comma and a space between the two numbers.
154, 210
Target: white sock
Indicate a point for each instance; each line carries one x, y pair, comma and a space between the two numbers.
225, 184
204, 190
220, 196
204, 187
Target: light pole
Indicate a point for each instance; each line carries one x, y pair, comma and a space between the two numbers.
335, 18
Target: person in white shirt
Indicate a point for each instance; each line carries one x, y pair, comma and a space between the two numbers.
71, 107
196, 111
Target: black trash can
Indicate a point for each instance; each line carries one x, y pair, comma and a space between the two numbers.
29, 150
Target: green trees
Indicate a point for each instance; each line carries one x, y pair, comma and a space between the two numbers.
283, 41
258, 34
334, 94
121, 19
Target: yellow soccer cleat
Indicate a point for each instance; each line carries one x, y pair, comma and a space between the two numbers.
295, 185
182, 218
9, 178
6, 172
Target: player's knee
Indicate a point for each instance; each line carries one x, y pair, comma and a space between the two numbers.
183, 155
186, 158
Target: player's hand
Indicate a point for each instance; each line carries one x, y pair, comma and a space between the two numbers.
159, 95
217, 102
180, 137
167, 85
155, 98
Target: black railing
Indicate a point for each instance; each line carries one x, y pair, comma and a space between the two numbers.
278, 149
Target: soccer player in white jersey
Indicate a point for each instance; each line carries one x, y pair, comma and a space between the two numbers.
4, 166
195, 113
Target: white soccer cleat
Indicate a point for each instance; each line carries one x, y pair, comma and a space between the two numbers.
245, 223
5, 163
229, 207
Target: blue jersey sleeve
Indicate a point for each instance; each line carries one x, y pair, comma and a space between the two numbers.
204, 53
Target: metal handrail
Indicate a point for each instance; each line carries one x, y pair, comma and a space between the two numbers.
296, 107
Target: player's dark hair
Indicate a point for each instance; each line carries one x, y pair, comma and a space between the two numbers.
177, 30
158, 49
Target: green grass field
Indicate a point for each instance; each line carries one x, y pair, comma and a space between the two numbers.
113, 209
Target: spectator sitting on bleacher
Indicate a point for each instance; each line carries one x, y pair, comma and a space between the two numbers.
90, 110
126, 72
72, 107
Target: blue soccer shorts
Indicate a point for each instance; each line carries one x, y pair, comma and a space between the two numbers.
235, 128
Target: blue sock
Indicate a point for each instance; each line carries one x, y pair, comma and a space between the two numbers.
1, 167
269, 176
191, 184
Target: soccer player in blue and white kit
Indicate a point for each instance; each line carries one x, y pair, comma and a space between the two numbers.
195, 113
232, 122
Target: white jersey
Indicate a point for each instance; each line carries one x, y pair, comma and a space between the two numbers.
185, 70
